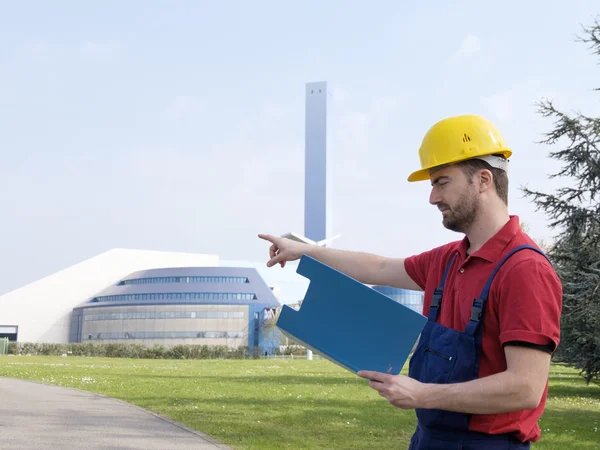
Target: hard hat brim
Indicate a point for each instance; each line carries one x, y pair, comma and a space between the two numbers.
419, 175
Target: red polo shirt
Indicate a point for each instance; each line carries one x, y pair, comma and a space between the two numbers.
524, 304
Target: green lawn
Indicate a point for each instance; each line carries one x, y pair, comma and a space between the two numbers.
298, 404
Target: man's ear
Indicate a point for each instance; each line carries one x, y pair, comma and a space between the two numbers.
486, 180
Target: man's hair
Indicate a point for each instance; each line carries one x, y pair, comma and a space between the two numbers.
471, 166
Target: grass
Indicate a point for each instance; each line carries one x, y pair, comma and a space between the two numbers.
299, 404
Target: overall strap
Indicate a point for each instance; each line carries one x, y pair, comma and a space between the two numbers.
479, 303
436, 299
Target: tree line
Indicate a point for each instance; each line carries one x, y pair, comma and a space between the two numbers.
574, 212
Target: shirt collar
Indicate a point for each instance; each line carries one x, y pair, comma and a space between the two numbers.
493, 248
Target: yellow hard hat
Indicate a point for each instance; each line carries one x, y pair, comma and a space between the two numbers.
459, 138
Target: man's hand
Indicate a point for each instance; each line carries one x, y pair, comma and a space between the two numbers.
283, 250
401, 391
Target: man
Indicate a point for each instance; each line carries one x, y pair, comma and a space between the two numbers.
479, 375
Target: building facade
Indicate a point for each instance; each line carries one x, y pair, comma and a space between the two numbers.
171, 306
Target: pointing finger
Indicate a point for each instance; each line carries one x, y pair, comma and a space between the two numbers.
268, 237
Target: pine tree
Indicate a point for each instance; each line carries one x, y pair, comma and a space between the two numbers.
575, 214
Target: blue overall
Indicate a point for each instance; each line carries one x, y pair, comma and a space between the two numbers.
445, 355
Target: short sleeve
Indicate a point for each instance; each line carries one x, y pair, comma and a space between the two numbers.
530, 304
418, 267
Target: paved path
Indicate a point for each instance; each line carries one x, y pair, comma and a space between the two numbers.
38, 416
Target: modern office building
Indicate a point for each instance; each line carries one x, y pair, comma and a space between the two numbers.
170, 306
148, 297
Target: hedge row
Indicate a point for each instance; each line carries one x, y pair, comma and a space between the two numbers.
144, 352
129, 350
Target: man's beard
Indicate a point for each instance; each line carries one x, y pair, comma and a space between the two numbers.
461, 216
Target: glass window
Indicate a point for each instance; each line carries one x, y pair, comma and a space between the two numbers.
165, 315
186, 279
168, 335
177, 296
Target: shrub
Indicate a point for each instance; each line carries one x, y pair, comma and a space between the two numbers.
123, 350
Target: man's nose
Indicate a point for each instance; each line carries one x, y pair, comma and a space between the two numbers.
434, 196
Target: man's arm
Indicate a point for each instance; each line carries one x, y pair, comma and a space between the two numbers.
367, 268
364, 267
519, 387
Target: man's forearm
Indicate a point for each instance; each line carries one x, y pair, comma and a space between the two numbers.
364, 267
499, 393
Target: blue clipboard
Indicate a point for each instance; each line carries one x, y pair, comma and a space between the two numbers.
349, 323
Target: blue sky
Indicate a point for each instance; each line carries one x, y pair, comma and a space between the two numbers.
179, 125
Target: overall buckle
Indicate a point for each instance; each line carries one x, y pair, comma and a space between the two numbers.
476, 310
437, 297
